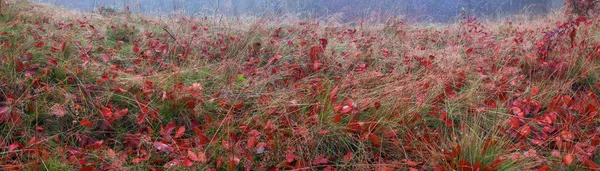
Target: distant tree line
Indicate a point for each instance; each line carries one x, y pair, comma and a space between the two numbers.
420, 10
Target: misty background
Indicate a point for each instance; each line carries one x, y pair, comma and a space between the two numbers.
345, 10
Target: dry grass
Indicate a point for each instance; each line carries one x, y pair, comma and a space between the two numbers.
292, 94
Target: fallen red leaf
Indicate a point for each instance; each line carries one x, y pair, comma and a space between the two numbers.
333, 94
86, 123
469, 51
290, 157
410, 162
58, 111
52, 61
544, 168
136, 49
119, 90
348, 157
180, 132
375, 140
568, 159
173, 163
106, 112
121, 113
187, 162
88, 168
162, 147
534, 90
320, 160
141, 118
201, 157
591, 164
385, 169
13, 147
105, 58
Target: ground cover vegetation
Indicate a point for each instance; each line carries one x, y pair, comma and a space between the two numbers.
117, 91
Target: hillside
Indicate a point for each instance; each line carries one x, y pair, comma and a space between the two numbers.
82, 91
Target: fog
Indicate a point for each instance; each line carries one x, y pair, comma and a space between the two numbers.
346, 10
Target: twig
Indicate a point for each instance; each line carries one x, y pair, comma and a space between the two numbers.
165, 29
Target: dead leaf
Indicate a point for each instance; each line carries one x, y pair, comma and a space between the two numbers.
201, 157
86, 123
348, 156
180, 132
568, 159
162, 147
58, 111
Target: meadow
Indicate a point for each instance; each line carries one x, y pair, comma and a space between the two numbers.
120, 91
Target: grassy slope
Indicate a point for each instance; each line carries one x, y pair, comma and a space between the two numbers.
266, 94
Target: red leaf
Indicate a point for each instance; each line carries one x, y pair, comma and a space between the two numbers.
179, 132
377, 105
337, 118
544, 168
88, 168
119, 90
162, 147
13, 146
86, 123
58, 111
234, 160
595, 141
410, 162
63, 45
591, 164
105, 57
469, 51
464, 165
166, 131
203, 139
52, 61
136, 49
345, 109
141, 117
39, 44
323, 132
324, 43
121, 113
106, 112
201, 157
567, 135
192, 155
333, 94
524, 131
290, 157
348, 157
252, 141
321, 160
375, 140
567, 159
187, 162
275, 58
385, 169
534, 91
173, 163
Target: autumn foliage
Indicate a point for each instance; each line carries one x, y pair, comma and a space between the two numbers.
125, 92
